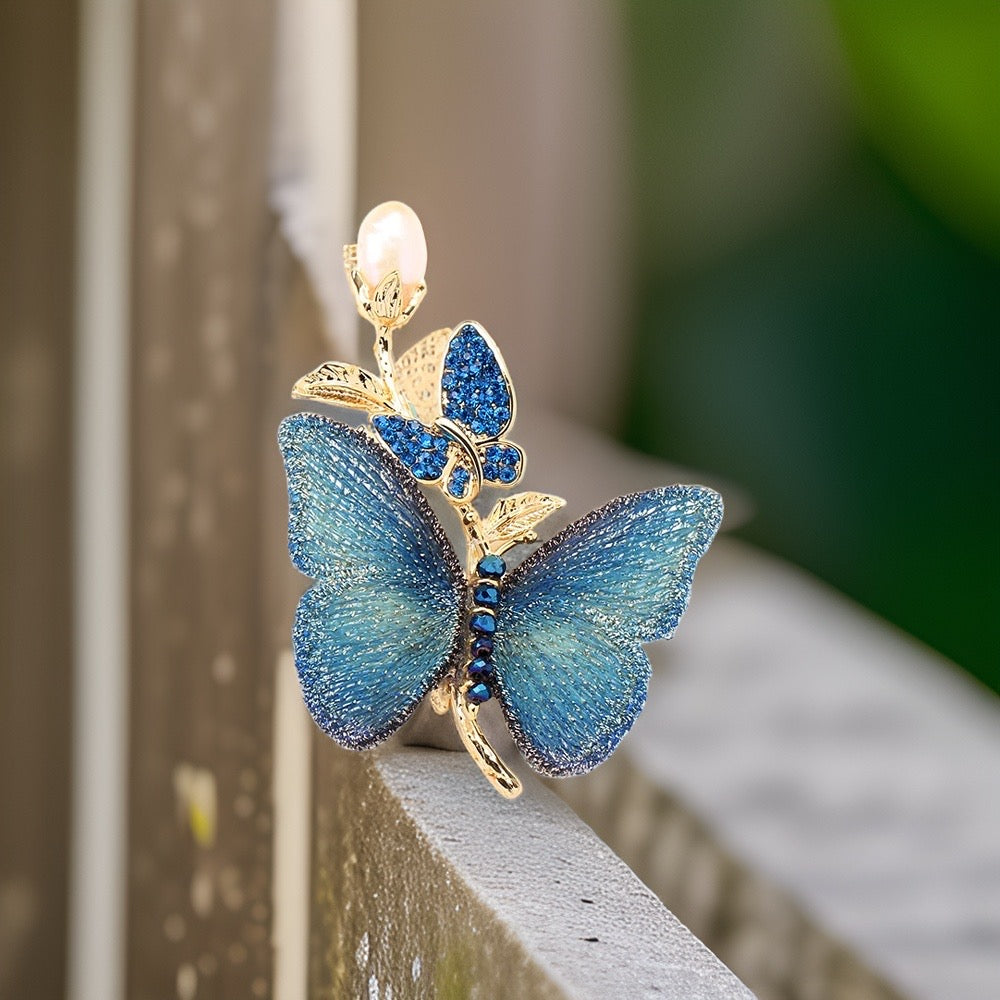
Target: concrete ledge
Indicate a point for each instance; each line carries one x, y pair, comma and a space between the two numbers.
427, 883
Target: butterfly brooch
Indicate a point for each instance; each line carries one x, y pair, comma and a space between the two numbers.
394, 617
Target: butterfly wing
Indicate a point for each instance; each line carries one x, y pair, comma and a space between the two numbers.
503, 463
476, 390
421, 449
384, 619
571, 675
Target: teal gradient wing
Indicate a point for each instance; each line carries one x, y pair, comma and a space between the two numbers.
571, 674
384, 619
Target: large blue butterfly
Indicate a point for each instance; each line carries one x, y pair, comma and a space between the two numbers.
475, 408
386, 618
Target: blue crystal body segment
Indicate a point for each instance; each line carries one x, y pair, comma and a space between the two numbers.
491, 565
486, 595
474, 390
419, 448
478, 693
386, 617
570, 672
502, 463
482, 623
480, 667
482, 645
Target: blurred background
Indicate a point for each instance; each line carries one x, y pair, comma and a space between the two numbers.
761, 238
758, 240
818, 297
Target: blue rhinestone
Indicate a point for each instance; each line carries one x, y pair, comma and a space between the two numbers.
478, 693
479, 666
483, 622
507, 474
491, 565
482, 646
426, 441
486, 595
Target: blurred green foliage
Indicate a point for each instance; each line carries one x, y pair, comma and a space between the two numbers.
928, 92
839, 355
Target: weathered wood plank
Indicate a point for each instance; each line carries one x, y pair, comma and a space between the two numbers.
428, 884
38, 66
200, 831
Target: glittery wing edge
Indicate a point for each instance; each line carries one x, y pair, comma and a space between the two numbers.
571, 675
385, 619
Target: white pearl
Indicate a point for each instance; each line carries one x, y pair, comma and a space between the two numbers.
392, 239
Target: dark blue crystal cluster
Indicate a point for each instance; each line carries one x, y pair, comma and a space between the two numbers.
422, 451
483, 624
474, 390
501, 463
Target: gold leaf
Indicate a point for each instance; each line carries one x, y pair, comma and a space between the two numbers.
346, 385
418, 374
512, 520
387, 302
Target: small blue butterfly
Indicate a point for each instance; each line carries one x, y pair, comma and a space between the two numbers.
477, 405
558, 639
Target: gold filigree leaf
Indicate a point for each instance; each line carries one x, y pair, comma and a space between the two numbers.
345, 385
387, 302
513, 519
418, 374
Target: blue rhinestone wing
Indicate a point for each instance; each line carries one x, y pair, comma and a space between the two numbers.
571, 675
421, 449
503, 463
384, 619
476, 391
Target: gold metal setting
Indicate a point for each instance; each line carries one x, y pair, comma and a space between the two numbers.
411, 388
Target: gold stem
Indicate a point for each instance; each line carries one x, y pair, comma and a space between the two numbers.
383, 355
472, 525
500, 776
